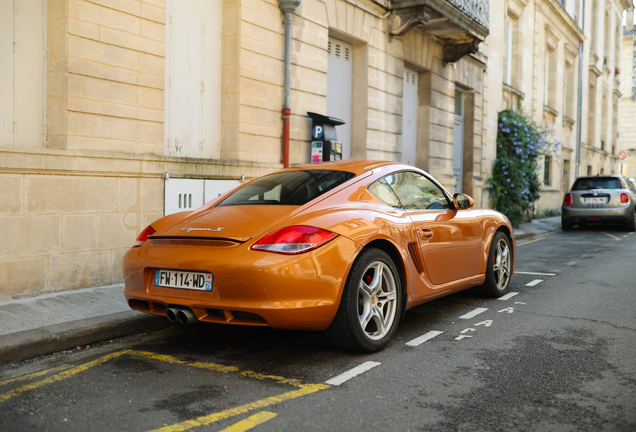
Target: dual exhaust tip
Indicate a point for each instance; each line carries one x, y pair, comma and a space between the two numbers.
181, 315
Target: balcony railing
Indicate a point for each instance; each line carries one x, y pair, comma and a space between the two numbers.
476, 10
461, 25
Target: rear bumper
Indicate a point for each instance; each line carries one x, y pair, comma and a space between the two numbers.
249, 288
618, 215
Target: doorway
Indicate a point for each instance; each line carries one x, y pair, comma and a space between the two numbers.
458, 140
339, 89
409, 116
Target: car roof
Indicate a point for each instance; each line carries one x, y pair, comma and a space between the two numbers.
600, 176
354, 166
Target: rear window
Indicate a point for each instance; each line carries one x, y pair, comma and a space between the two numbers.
597, 183
289, 188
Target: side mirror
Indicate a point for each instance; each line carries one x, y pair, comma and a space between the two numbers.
462, 201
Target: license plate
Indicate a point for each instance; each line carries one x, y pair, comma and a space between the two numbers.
183, 280
594, 200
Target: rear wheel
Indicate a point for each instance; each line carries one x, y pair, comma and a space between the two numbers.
370, 306
566, 226
631, 224
499, 268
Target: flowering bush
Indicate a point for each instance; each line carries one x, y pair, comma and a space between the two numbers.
515, 183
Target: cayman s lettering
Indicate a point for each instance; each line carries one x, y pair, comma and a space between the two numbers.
188, 229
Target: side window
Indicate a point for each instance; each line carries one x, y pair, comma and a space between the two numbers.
384, 193
415, 191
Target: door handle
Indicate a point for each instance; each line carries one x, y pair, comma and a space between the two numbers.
426, 233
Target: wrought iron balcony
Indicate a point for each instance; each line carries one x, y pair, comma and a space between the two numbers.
460, 24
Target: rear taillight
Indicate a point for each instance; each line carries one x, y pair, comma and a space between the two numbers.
568, 199
143, 237
294, 240
624, 198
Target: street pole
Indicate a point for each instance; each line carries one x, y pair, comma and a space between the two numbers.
287, 7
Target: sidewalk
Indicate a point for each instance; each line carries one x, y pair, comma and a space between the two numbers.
44, 324
537, 227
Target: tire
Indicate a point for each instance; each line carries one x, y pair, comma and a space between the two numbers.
370, 307
631, 224
566, 226
498, 267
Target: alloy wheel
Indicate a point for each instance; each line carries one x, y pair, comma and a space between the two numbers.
501, 264
377, 300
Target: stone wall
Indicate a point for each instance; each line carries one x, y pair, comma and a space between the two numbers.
627, 139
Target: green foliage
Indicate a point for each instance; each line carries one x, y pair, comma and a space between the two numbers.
515, 182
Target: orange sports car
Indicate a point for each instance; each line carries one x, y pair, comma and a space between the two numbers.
345, 247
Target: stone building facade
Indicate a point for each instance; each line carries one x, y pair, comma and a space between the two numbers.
544, 51
116, 112
627, 141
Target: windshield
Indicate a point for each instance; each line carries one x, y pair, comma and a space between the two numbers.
597, 183
289, 188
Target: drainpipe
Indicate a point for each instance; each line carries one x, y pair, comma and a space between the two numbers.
579, 108
287, 7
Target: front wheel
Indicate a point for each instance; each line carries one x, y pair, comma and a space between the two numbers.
370, 306
499, 267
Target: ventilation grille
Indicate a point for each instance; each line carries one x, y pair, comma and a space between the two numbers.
340, 51
410, 78
414, 250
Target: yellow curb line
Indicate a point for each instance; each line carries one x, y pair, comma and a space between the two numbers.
60, 376
531, 241
250, 422
214, 417
36, 374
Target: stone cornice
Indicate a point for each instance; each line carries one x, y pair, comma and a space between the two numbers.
557, 10
17, 160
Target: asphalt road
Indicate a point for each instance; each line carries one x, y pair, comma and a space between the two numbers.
557, 356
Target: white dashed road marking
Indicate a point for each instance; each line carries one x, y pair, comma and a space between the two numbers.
352, 373
535, 273
476, 312
420, 340
571, 263
508, 296
534, 282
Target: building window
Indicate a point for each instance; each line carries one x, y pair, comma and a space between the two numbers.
593, 33
547, 170
550, 77
589, 170
591, 115
617, 47
569, 96
513, 56
606, 32
614, 137
605, 127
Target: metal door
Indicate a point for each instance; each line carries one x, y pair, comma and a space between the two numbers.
409, 116
23, 73
193, 79
458, 152
339, 89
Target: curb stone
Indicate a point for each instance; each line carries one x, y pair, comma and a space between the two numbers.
49, 339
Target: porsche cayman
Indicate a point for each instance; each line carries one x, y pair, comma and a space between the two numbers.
345, 247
